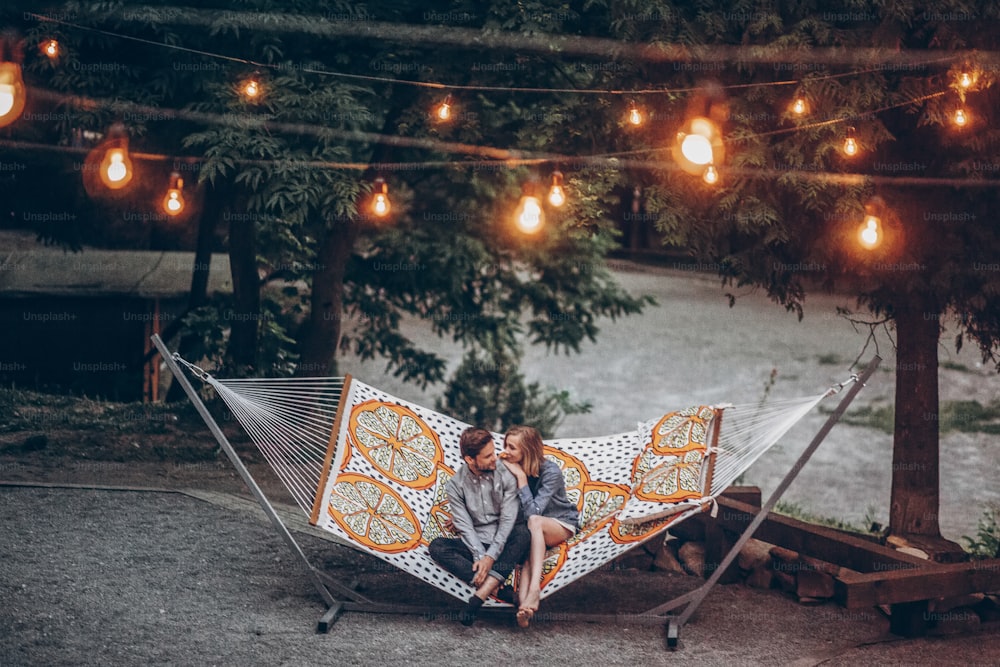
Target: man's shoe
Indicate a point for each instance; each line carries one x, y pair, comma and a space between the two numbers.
505, 594
468, 614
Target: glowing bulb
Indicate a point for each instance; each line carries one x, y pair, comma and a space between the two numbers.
173, 202
528, 216
850, 143
697, 149
251, 88
961, 118
380, 200
711, 175
870, 234
557, 196
12, 95
799, 106
50, 48
965, 80
634, 115
116, 168
444, 110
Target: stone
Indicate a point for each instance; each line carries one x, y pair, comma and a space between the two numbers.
692, 557
813, 584
666, 560
762, 577
947, 604
754, 554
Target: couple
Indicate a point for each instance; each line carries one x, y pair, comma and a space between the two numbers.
489, 505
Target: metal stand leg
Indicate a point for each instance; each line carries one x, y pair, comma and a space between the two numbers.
333, 604
674, 624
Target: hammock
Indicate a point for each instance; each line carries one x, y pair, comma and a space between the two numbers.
371, 468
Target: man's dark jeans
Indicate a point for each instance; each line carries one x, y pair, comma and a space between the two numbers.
452, 554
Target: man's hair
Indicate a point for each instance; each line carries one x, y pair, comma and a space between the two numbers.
473, 440
531, 448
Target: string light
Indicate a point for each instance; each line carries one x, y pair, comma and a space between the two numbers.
251, 88
870, 234
173, 202
800, 106
711, 175
965, 80
381, 206
850, 143
557, 195
116, 168
529, 216
634, 115
444, 109
12, 94
50, 48
961, 118
698, 146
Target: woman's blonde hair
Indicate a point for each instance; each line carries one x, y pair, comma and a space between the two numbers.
531, 448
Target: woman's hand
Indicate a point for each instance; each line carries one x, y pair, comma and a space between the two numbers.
522, 479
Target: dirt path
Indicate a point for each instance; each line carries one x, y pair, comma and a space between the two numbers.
92, 577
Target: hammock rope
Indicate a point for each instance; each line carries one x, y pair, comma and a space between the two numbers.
391, 505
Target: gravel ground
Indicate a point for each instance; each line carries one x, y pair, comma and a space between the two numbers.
101, 577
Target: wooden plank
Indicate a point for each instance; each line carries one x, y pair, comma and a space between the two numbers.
856, 590
827, 544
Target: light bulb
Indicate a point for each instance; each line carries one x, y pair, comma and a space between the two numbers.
557, 196
850, 143
965, 80
444, 110
173, 202
50, 48
961, 119
528, 216
799, 106
711, 175
251, 88
697, 149
12, 94
381, 205
869, 234
116, 168
634, 115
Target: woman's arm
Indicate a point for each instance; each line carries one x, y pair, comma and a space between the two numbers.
550, 480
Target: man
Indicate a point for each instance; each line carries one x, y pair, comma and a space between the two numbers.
484, 510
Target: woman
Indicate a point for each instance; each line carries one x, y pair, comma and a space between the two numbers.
552, 518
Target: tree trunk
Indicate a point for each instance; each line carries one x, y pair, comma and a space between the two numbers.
245, 320
320, 335
321, 332
212, 213
915, 466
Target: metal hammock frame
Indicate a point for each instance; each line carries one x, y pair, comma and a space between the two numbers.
340, 597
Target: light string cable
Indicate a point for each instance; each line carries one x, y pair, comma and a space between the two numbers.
494, 156
685, 54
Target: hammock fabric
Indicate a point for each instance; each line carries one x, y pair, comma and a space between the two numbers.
371, 468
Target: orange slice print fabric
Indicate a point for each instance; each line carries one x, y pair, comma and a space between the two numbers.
397, 442
373, 514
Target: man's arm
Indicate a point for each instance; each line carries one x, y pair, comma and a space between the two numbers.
508, 511
462, 520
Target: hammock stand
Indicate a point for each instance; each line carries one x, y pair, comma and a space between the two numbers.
340, 597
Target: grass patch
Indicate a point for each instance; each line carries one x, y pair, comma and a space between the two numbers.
829, 360
795, 511
955, 366
961, 416
986, 543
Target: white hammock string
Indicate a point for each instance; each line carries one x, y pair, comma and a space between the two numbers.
290, 421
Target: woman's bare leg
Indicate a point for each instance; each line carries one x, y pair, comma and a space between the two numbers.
545, 532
